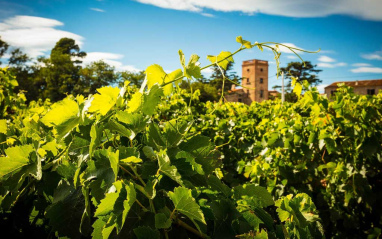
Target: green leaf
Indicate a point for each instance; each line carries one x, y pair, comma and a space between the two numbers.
217, 185
105, 100
245, 43
63, 116
254, 195
223, 59
167, 89
155, 75
146, 233
131, 160
107, 204
168, 169
96, 137
3, 126
17, 157
162, 221
152, 100
186, 204
135, 102
136, 121
193, 68
119, 128
191, 160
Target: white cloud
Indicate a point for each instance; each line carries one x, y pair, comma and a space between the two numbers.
361, 64
331, 65
34, 35
292, 57
97, 9
208, 71
207, 14
326, 59
369, 9
284, 49
367, 70
321, 88
373, 56
109, 58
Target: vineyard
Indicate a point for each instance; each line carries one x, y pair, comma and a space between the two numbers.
155, 162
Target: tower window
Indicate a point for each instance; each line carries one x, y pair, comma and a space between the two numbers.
239, 100
371, 91
247, 80
261, 80
261, 93
261, 69
247, 69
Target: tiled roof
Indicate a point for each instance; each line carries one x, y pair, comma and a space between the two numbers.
235, 90
358, 83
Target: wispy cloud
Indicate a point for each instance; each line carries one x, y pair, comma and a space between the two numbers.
293, 8
326, 59
373, 56
361, 64
34, 35
110, 58
367, 70
292, 57
331, 65
207, 14
97, 9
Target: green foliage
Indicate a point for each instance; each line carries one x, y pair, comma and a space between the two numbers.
117, 165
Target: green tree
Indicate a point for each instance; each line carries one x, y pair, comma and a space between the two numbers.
96, 75
216, 79
61, 72
207, 91
302, 72
3, 48
136, 78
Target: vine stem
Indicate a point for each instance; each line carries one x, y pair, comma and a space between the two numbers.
189, 228
137, 175
127, 171
186, 226
140, 204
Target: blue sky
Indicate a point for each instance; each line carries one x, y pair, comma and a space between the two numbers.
131, 35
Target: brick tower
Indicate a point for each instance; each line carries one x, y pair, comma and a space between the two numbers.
255, 75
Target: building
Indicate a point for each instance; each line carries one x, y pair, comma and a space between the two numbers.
254, 82
362, 87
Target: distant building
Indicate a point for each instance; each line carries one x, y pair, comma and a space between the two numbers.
254, 82
362, 87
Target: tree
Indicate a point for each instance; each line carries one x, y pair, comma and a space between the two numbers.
3, 48
301, 72
216, 79
136, 78
61, 72
96, 75
207, 91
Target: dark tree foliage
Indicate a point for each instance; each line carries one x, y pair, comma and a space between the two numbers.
3, 48
302, 72
96, 75
135, 78
216, 79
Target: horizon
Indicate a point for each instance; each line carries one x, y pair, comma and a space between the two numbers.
132, 35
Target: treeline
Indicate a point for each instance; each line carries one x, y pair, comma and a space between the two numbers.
62, 73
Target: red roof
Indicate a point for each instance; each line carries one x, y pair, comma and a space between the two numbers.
358, 83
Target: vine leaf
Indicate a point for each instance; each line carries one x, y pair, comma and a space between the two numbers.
105, 100
63, 116
146, 233
170, 170
193, 68
186, 204
17, 157
220, 59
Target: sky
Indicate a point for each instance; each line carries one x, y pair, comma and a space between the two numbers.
134, 34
